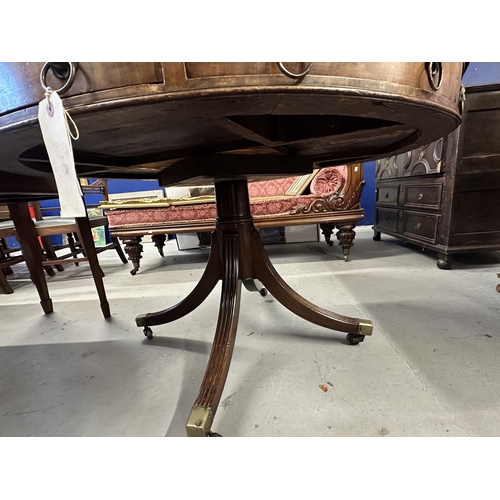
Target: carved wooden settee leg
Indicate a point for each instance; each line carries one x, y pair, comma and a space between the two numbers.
327, 230
159, 241
345, 235
133, 249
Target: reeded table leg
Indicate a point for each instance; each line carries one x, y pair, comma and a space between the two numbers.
200, 420
200, 292
238, 256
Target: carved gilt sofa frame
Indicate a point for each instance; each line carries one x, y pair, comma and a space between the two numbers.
329, 197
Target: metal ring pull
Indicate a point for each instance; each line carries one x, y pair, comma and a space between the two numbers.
296, 76
61, 71
434, 69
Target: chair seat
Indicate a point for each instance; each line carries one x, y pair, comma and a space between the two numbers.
6, 229
58, 225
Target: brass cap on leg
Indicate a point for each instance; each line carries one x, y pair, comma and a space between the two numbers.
141, 320
365, 327
199, 422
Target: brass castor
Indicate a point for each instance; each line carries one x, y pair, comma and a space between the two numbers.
148, 332
376, 236
263, 292
133, 272
354, 338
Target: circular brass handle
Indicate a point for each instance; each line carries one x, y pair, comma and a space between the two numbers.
63, 71
434, 72
295, 75
386, 217
387, 195
418, 226
420, 196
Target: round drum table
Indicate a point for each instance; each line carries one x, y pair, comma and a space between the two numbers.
189, 123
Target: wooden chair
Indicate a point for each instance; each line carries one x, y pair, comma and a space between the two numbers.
80, 240
85, 250
6, 258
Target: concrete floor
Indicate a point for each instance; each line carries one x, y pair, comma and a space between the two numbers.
430, 369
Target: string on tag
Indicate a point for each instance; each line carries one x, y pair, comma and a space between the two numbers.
48, 93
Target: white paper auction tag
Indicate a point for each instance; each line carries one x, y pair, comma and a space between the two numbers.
52, 118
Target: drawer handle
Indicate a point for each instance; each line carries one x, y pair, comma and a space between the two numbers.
434, 74
386, 217
418, 226
296, 76
420, 196
62, 71
387, 195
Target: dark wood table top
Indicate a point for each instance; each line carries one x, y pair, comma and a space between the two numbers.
136, 120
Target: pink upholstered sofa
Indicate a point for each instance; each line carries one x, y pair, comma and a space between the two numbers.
328, 197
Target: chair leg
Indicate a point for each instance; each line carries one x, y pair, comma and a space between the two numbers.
49, 250
4, 284
71, 243
31, 250
119, 250
85, 237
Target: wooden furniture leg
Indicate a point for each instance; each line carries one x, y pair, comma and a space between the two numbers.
72, 245
345, 235
327, 230
85, 237
159, 241
25, 233
238, 256
4, 284
49, 250
200, 292
133, 249
118, 249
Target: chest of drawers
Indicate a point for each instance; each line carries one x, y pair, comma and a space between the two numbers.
446, 196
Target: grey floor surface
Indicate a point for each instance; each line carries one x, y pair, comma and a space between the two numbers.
430, 369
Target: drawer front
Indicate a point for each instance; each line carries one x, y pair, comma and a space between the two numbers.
387, 219
388, 195
421, 226
422, 196
23, 88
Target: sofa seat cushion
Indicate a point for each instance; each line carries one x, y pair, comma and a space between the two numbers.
203, 212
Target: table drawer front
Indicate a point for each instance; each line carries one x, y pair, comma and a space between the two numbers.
24, 88
422, 196
388, 195
421, 226
387, 219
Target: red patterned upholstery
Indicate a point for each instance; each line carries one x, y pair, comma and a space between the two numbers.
273, 187
327, 181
